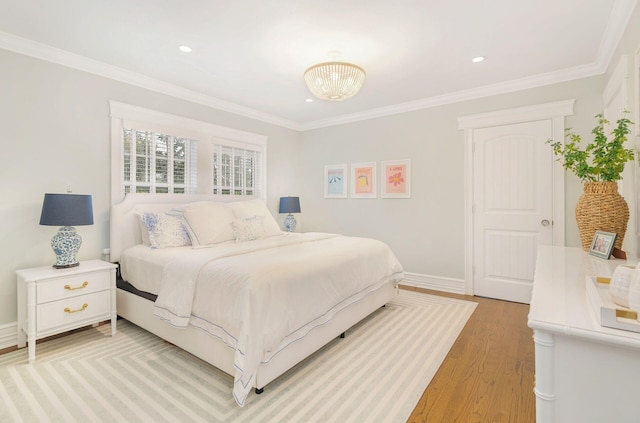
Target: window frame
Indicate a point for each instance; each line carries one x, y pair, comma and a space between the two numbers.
235, 172
151, 158
207, 135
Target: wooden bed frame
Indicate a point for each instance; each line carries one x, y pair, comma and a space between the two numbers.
125, 233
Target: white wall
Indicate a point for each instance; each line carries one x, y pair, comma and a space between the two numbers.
56, 135
426, 231
623, 65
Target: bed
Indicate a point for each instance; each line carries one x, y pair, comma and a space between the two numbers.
220, 280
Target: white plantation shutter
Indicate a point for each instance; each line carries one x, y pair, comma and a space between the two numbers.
253, 173
237, 170
157, 152
158, 163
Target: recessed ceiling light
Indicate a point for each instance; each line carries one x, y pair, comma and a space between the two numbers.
185, 49
477, 59
309, 100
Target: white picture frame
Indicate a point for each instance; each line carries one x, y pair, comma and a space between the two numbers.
364, 180
335, 181
395, 179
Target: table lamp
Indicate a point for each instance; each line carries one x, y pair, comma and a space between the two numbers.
66, 211
290, 205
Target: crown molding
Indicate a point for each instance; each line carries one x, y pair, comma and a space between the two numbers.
465, 95
616, 25
618, 20
518, 115
75, 61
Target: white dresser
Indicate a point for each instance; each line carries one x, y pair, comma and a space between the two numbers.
584, 372
52, 301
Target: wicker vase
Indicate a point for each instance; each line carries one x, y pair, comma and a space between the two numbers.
601, 208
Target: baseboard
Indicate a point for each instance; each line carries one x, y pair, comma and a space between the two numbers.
8, 335
437, 283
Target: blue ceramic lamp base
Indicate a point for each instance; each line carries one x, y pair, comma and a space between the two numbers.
290, 223
65, 244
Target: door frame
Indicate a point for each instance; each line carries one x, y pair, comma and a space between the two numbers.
556, 112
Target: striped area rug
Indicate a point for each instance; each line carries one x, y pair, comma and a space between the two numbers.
376, 374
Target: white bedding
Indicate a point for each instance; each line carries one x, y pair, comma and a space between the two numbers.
258, 296
142, 266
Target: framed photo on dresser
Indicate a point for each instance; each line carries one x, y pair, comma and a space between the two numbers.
602, 244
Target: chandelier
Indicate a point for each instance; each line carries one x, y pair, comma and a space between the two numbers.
334, 81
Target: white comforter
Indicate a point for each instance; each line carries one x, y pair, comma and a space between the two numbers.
257, 295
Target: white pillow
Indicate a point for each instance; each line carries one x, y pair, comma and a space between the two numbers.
249, 229
257, 207
163, 230
208, 223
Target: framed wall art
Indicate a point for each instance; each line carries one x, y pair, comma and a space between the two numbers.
395, 181
363, 180
335, 181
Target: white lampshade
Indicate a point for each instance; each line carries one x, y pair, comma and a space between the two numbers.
334, 81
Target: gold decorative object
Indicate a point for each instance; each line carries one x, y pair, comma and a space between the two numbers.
83, 308
84, 285
626, 314
606, 311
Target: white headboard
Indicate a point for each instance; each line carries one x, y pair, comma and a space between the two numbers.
124, 230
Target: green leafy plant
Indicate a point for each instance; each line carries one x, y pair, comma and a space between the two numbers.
603, 159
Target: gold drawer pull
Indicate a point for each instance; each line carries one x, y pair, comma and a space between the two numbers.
84, 285
84, 307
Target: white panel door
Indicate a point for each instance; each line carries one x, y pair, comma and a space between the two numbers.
513, 206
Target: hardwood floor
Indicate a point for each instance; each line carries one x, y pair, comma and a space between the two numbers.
488, 376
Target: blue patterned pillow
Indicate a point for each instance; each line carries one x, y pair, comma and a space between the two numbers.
164, 230
249, 229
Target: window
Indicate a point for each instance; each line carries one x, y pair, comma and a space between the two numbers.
154, 152
158, 163
236, 171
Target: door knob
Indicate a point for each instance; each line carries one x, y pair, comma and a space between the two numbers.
545, 222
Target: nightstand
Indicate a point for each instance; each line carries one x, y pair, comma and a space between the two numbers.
52, 301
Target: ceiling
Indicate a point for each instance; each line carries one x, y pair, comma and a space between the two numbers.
249, 56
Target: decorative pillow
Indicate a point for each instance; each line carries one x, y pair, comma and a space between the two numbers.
159, 209
144, 233
251, 208
208, 223
164, 230
249, 229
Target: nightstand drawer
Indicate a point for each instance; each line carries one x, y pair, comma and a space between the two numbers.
71, 310
73, 285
